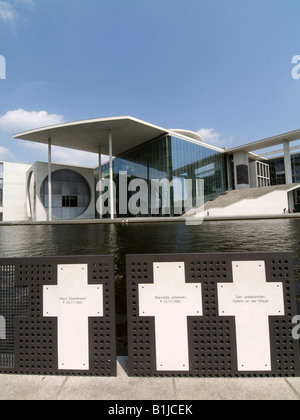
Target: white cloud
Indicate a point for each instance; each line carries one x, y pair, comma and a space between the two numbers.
63, 155
5, 153
7, 12
21, 120
210, 136
74, 157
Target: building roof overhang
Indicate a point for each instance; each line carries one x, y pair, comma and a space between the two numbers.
268, 142
90, 135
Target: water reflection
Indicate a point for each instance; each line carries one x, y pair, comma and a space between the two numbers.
119, 240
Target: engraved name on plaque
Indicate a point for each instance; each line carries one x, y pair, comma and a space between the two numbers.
170, 300
251, 300
73, 301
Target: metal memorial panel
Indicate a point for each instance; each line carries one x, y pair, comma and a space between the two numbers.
212, 315
57, 316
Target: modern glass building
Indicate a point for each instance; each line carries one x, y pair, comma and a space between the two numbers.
178, 162
152, 171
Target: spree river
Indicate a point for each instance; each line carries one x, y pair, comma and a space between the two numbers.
119, 240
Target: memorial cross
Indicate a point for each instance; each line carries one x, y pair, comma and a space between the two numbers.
251, 300
170, 300
73, 301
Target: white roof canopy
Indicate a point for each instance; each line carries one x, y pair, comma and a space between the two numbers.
90, 135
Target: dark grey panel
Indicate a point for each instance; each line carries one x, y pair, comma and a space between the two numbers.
242, 174
31, 344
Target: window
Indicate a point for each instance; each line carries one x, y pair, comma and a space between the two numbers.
69, 201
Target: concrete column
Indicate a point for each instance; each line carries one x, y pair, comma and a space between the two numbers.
111, 178
291, 201
98, 181
49, 182
229, 172
287, 163
170, 174
99, 163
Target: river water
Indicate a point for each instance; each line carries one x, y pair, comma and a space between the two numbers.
119, 240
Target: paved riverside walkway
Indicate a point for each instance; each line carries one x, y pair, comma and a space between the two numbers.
124, 388
132, 220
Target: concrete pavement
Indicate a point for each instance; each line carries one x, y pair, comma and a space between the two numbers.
122, 388
132, 220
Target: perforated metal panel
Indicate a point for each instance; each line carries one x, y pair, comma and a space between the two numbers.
13, 302
212, 337
31, 342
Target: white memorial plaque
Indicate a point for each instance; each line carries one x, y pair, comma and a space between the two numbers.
73, 301
170, 300
251, 300
2, 328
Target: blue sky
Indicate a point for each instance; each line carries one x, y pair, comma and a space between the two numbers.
221, 67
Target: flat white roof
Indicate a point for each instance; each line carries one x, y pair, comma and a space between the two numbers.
265, 143
89, 135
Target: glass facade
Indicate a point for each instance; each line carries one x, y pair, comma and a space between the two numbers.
194, 161
278, 172
179, 163
296, 167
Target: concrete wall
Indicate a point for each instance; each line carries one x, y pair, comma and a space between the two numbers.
269, 204
35, 178
14, 191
